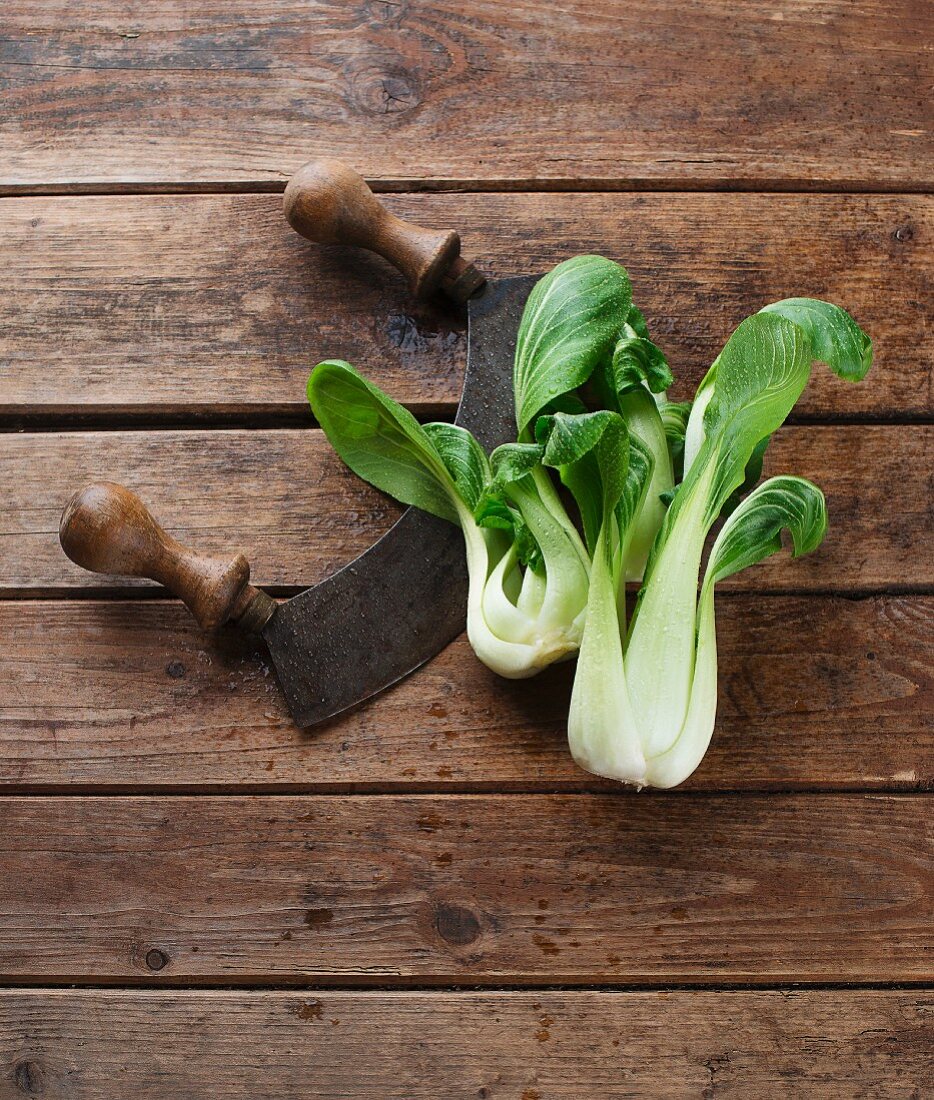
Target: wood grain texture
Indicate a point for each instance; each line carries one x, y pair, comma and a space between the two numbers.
287, 501
814, 692
651, 91
425, 1046
124, 310
558, 889
211, 305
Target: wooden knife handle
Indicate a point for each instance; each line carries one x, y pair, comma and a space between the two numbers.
107, 529
329, 203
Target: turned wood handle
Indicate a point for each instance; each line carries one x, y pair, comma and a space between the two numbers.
329, 203
107, 529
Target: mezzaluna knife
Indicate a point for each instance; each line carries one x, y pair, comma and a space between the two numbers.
404, 599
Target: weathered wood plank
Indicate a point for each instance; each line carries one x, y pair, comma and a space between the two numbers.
421, 1046
814, 692
502, 889
286, 500
183, 305
650, 91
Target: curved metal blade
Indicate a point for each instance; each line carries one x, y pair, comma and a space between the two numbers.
404, 599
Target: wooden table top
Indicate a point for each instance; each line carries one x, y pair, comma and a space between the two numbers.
425, 898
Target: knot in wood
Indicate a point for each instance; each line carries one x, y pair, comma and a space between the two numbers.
390, 13
385, 91
156, 959
456, 925
29, 1078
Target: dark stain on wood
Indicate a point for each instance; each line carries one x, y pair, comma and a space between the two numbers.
317, 918
545, 945
29, 1078
309, 1010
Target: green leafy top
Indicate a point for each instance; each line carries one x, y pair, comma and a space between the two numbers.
637, 361
760, 375
833, 338
385, 445
590, 451
464, 460
571, 322
754, 530
836, 339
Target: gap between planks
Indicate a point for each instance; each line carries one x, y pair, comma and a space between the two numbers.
271, 418
153, 592
466, 788
414, 986
400, 186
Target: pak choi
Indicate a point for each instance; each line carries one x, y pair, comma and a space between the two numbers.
644, 699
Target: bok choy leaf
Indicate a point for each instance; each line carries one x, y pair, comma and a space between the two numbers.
528, 569
570, 325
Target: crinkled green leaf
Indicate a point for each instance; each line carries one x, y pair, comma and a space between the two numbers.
513, 461
569, 325
639, 409
636, 319
591, 454
836, 339
639, 470
637, 361
751, 475
566, 403
674, 416
495, 511
567, 438
754, 530
833, 337
463, 458
512, 464
761, 373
